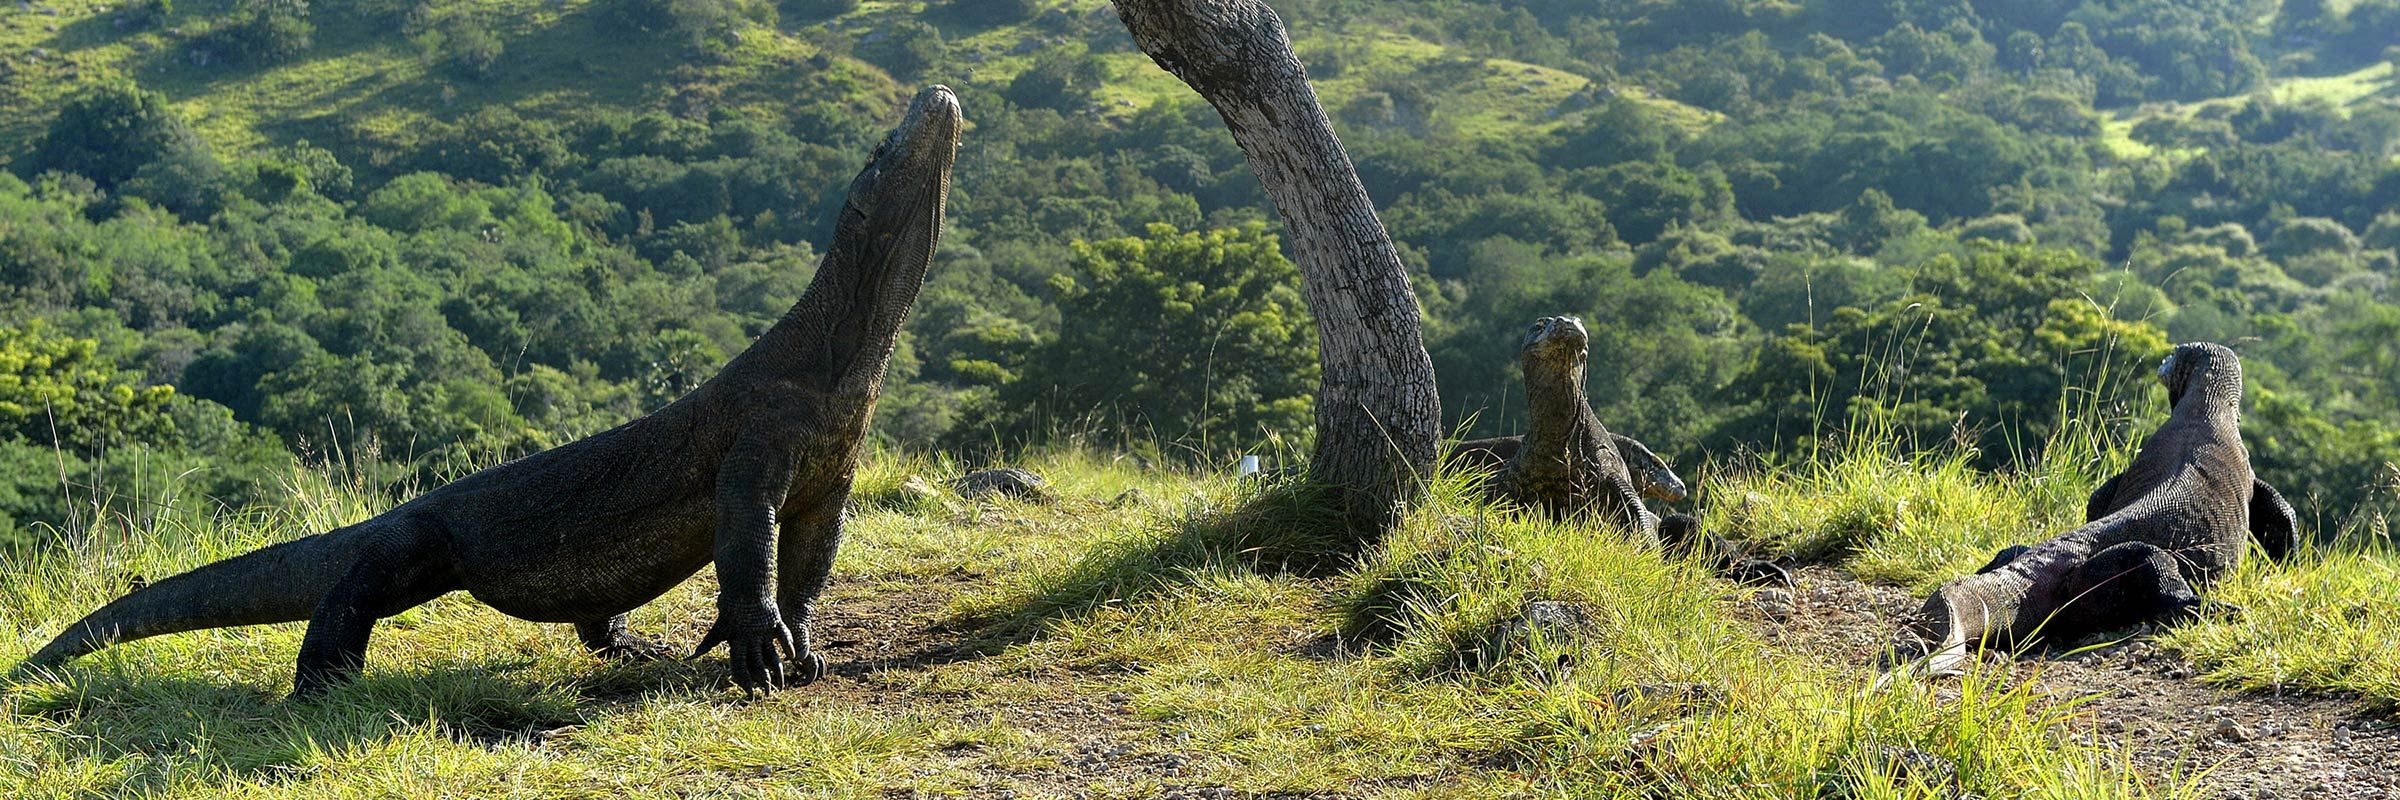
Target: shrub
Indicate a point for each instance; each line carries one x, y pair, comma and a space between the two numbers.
264, 31
474, 51
114, 130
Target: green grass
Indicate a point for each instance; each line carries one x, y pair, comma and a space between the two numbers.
2322, 624
1215, 613
2346, 91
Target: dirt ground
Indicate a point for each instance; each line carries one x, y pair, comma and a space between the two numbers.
885, 638
2136, 697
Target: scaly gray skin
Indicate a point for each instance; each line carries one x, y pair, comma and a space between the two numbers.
2157, 534
1567, 465
592, 529
1651, 474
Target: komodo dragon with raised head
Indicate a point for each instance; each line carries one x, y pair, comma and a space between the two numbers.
587, 531
1568, 463
2155, 535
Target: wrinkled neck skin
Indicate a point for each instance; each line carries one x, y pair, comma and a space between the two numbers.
2213, 391
1554, 396
838, 338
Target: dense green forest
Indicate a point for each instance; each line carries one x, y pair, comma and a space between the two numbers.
416, 236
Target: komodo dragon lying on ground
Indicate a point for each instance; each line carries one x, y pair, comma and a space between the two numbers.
2175, 520
590, 530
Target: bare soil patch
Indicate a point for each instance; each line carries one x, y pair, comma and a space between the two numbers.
2131, 694
887, 640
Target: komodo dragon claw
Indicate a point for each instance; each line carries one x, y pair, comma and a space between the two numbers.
757, 664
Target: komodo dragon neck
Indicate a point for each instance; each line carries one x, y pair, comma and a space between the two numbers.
838, 338
1560, 427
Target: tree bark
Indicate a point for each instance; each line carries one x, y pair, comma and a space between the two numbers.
1378, 418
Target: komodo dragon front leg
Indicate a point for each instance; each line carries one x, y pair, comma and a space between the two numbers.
803, 563
753, 483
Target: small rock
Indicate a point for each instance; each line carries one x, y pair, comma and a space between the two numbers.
1006, 482
1555, 621
1776, 604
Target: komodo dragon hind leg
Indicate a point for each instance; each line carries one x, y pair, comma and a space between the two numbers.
2125, 585
2004, 556
2272, 522
399, 567
609, 638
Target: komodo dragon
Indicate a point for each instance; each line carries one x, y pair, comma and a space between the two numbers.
592, 529
1567, 464
2175, 520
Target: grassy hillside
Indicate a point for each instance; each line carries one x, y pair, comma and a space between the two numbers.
1152, 633
2345, 91
366, 89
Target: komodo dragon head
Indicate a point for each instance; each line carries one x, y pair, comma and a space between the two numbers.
1554, 352
2211, 368
884, 240
1656, 478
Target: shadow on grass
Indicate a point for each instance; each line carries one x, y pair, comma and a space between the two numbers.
177, 727
1288, 528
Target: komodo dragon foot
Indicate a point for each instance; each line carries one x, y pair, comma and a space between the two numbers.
610, 640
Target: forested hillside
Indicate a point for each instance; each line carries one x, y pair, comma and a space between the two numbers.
416, 236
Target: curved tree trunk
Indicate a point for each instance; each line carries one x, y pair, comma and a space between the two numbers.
1377, 416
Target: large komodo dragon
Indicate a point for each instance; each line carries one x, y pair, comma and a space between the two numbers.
1568, 464
590, 530
2175, 520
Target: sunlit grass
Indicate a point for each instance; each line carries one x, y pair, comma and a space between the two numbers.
1208, 608
2325, 623
2346, 91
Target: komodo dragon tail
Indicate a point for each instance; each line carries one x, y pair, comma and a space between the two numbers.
279, 583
